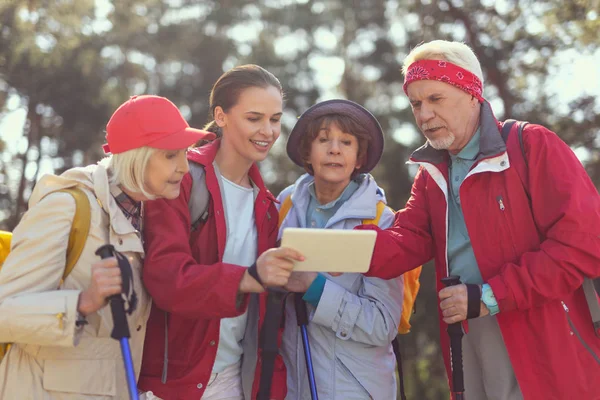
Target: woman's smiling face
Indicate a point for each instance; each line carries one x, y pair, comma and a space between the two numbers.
253, 124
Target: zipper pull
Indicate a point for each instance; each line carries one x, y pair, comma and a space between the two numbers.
501, 203
564, 306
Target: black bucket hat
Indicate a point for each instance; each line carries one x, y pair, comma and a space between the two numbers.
340, 107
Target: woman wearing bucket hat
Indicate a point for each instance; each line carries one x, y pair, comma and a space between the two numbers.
202, 340
58, 325
354, 319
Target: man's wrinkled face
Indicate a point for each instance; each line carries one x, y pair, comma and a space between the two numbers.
446, 115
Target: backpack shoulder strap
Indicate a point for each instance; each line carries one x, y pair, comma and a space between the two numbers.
507, 128
80, 228
518, 159
285, 208
199, 196
375, 221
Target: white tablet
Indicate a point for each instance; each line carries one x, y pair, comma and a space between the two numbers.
331, 250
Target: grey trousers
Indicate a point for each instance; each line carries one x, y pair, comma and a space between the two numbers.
488, 371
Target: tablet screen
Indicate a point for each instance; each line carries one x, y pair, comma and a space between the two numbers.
331, 250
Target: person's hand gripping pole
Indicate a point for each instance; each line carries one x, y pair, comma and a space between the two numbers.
120, 330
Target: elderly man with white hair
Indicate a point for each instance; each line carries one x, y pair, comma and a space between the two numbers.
515, 216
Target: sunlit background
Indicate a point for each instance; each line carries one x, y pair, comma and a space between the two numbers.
65, 65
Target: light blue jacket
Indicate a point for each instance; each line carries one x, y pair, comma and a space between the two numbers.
351, 330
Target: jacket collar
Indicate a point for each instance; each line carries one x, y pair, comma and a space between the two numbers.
206, 154
94, 178
361, 205
490, 142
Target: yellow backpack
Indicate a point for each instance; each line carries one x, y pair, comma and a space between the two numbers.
77, 238
411, 278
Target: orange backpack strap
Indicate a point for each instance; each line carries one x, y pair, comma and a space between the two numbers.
375, 221
411, 288
80, 228
285, 208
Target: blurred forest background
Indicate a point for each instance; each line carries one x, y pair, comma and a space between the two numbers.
65, 65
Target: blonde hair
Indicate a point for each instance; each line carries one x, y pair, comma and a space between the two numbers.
455, 52
128, 169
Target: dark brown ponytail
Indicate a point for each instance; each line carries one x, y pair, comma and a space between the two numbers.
214, 128
227, 89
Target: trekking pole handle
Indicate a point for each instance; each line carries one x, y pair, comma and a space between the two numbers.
105, 251
117, 303
451, 280
455, 332
301, 311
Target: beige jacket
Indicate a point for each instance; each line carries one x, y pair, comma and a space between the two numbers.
51, 358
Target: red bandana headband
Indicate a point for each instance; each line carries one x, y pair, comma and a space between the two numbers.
444, 71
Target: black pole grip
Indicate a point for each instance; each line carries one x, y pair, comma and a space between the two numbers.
451, 280
121, 327
117, 304
105, 251
269, 341
455, 333
458, 383
301, 311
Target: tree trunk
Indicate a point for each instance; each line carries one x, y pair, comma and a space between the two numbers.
32, 138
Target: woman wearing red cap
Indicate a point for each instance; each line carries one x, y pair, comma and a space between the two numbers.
202, 339
59, 326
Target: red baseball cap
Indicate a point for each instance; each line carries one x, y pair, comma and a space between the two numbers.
151, 121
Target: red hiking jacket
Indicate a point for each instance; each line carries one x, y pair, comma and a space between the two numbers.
534, 262
184, 275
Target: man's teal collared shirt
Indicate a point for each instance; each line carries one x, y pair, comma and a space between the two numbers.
461, 259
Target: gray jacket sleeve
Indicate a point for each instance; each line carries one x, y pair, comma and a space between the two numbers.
372, 315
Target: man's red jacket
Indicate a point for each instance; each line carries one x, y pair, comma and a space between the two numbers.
535, 262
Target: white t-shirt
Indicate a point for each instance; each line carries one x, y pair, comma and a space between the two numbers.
241, 248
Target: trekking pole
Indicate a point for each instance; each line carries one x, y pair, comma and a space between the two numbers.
120, 330
302, 318
456, 333
269, 340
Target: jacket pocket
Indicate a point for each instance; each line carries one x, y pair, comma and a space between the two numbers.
345, 386
88, 377
574, 331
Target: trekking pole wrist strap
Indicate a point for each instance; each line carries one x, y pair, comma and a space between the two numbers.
473, 300
253, 271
